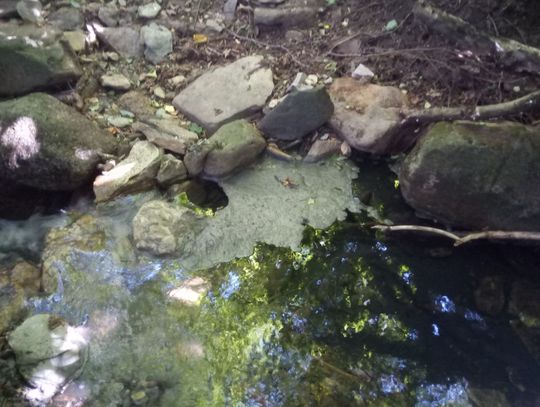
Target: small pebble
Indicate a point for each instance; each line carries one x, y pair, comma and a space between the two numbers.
159, 92
311, 80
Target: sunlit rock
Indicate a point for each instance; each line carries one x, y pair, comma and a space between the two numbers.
48, 145
366, 115
49, 353
134, 174
163, 228
191, 291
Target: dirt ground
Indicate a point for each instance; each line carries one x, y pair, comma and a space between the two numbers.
349, 32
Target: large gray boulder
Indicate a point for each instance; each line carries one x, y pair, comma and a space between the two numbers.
476, 175
26, 66
224, 94
134, 174
233, 146
48, 145
366, 115
49, 354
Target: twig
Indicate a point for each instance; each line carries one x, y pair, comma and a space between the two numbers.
460, 238
267, 45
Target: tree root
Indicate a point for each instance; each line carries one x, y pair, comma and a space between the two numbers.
462, 238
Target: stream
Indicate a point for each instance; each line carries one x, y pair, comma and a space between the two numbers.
350, 318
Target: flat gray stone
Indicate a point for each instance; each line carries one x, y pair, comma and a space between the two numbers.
126, 41
134, 174
115, 81
167, 134
226, 93
157, 41
150, 10
298, 114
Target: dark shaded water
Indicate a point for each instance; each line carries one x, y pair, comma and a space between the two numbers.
353, 318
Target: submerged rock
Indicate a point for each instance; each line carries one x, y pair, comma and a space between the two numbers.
134, 174
171, 171
298, 114
49, 354
476, 175
366, 115
163, 228
230, 92
48, 145
233, 146
272, 202
25, 67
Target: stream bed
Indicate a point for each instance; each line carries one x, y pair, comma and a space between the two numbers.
350, 317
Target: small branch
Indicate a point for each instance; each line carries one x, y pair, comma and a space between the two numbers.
460, 238
267, 45
514, 54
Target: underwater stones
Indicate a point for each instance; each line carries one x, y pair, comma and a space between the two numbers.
365, 115
475, 175
134, 174
49, 353
24, 68
229, 92
298, 114
162, 228
48, 145
233, 146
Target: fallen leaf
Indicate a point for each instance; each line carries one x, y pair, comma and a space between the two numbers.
200, 38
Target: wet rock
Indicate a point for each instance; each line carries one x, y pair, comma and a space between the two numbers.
162, 228
62, 245
29, 34
298, 114
171, 171
8, 8
148, 11
233, 146
365, 115
191, 291
66, 19
196, 156
234, 91
76, 40
157, 41
48, 145
475, 175
322, 149
126, 41
134, 174
137, 103
489, 296
49, 353
30, 11
487, 397
166, 133
24, 68
16, 284
115, 81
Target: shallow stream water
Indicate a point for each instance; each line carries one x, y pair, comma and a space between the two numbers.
350, 318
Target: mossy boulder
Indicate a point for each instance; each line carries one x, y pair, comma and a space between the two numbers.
26, 67
476, 175
47, 145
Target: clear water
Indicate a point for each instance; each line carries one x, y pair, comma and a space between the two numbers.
351, 318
